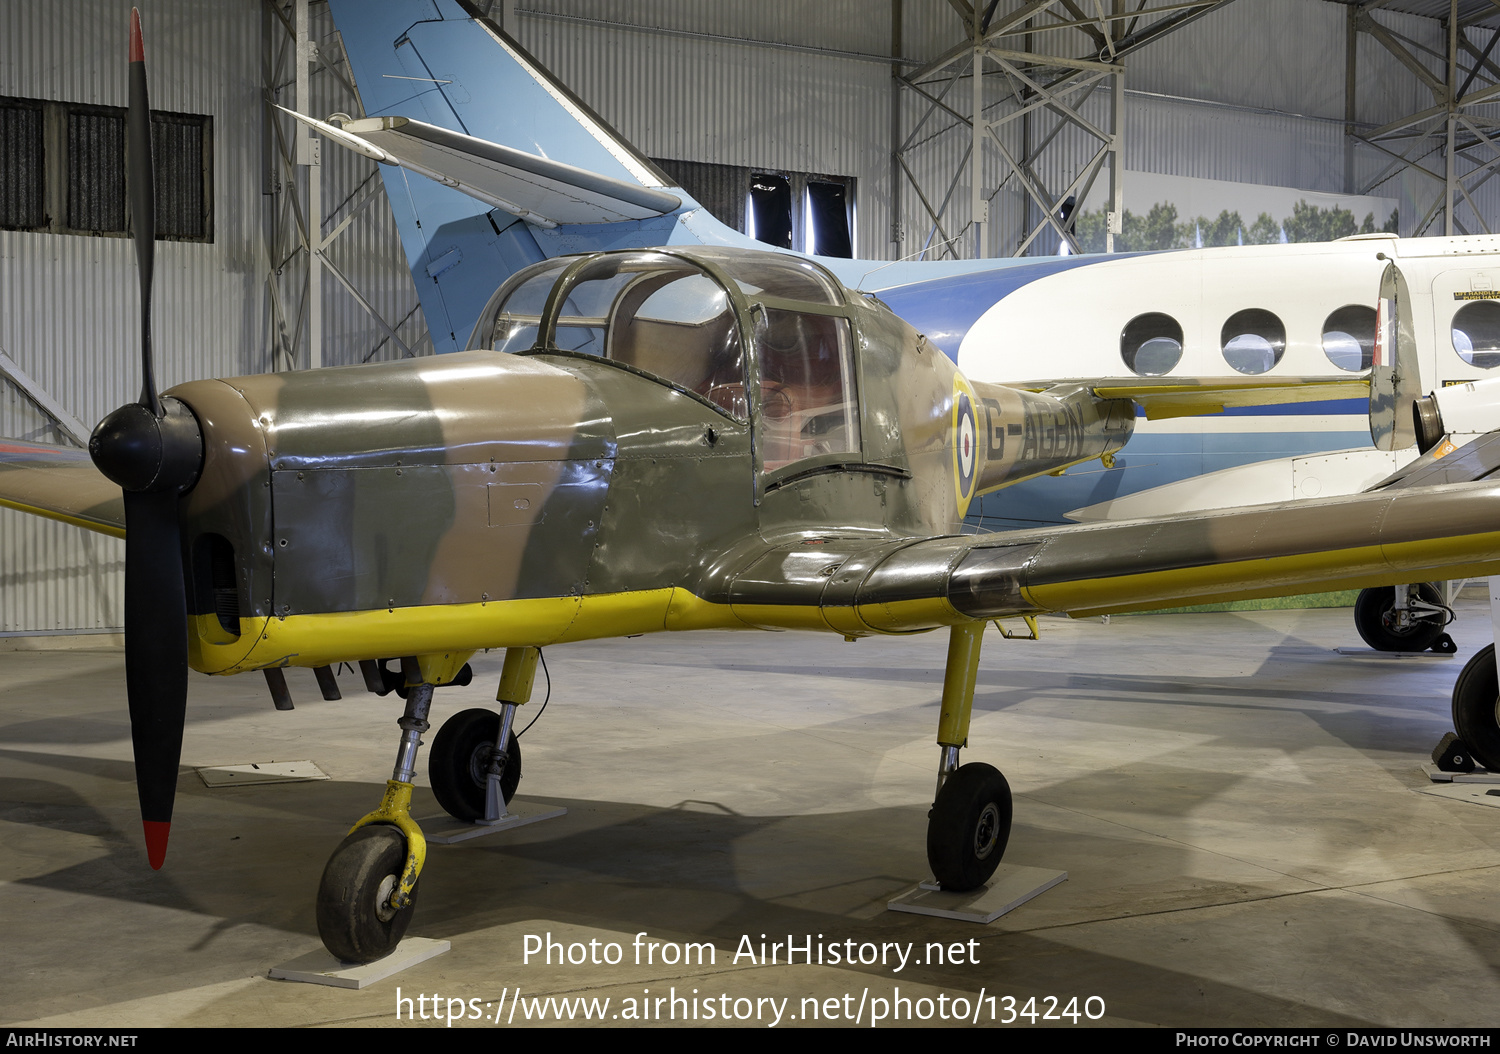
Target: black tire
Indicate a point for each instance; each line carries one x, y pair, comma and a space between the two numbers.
1372, 617
968, 827
354, 915
459, 764
1476, 708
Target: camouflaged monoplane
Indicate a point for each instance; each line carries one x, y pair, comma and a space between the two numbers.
638, 441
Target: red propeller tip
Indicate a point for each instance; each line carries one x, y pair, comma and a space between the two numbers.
137, 50
156, 841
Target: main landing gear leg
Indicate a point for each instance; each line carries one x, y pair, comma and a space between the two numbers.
476, 757
516, 679
369, 888
969, 823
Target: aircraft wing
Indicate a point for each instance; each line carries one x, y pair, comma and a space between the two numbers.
537, 189
1189, 396
60, 483
1399, 534
1448, 463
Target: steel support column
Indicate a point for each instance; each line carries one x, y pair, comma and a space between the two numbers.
297, 238
1028, 97
1449, 145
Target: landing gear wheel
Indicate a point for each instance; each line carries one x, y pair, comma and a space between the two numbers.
1476, 708
968, 827
355, 917
1375, 618
460, 762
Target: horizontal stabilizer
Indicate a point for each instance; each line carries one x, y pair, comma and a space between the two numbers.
538, 190
60, 483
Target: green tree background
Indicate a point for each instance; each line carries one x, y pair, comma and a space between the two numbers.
1161, 229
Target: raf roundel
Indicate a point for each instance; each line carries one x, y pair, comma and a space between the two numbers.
964, 440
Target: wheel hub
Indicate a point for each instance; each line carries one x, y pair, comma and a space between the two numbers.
479, 763
986, 830
383, 909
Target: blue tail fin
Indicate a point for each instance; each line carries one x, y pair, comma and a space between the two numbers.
438, 61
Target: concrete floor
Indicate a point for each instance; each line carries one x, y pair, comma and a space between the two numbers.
1238, 808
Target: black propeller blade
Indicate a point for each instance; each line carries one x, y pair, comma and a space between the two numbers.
153, 449
141, 180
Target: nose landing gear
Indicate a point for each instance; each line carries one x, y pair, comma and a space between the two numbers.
357, 915
368, 890
369, 887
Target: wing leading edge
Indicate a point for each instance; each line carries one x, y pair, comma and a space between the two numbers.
60, 483
1190, 396
1164, 397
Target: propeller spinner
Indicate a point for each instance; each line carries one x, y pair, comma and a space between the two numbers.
153, 448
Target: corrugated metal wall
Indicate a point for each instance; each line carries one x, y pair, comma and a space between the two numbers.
69, 304
1252, 93
69, 309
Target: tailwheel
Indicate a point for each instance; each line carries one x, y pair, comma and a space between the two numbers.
355, 916
968, 827
1476, 708
460, 763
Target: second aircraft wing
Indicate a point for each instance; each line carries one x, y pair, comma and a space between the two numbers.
60, 483
1383, 537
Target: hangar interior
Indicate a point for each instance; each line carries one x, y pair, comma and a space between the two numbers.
1243, 830
1237, 92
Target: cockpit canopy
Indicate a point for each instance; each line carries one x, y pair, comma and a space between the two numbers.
751, 334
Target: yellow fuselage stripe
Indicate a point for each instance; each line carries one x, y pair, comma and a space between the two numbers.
320, 639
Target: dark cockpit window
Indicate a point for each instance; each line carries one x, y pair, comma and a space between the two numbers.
807, 397
674, 318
